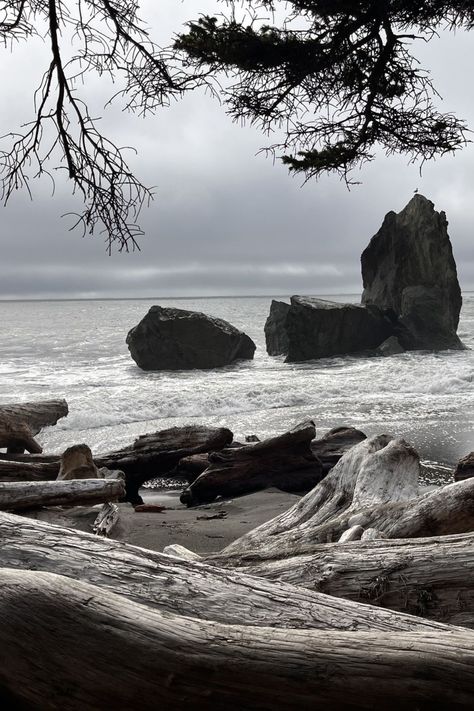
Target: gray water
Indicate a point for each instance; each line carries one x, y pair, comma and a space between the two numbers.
76, 350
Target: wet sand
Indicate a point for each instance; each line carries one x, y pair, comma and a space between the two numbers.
191, 528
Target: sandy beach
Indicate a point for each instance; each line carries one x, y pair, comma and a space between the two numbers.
194, 528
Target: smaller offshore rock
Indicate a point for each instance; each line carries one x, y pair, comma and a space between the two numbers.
175, 339
276, 336
321, 329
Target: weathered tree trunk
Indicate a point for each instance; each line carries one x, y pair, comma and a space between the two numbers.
430, 577
374, 486
30, 495
35, 415
182, 586
285, 461
99, 650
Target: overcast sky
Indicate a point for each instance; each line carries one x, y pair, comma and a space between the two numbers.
225, 220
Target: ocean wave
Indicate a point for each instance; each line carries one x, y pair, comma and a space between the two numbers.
451, 384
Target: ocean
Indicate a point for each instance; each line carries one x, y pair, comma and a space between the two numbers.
76, 350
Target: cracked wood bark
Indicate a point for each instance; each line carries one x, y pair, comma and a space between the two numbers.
184, 587
35, 415
431, 577
30, 495
177, 662
285, 461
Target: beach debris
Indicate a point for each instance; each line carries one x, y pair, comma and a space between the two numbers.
107, 518
210, 517
149, 508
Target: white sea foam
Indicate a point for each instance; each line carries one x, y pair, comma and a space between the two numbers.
77, 350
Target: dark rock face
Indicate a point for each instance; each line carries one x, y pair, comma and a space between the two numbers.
276, 336
409, 268
390, 347
320, 329
174, 339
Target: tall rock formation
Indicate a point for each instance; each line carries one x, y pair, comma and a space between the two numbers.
409, 270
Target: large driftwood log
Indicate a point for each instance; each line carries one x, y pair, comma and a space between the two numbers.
328, 449
285, 462
184, 587
99, 650
35, 415
431, 577
374, 486
30, 495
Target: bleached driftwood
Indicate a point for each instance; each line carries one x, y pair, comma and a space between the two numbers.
184, 586
100, 650
431, 577
34, 494
374, 486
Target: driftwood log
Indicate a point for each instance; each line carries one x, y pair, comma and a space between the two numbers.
374, 487
185, 587
33, 416
428, 577
30, 495
328, 449
285, 462
100, 650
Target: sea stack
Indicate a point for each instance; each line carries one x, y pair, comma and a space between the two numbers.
408, 269
175, 339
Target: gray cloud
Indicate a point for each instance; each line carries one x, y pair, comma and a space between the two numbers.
224, 220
